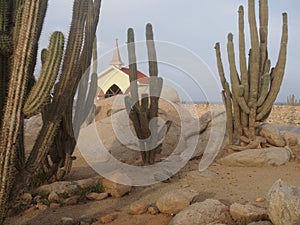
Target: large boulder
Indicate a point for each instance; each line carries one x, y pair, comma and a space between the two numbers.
187, 136
284, 204
209, 211
272, 156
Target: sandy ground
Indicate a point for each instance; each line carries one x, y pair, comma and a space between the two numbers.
227, 184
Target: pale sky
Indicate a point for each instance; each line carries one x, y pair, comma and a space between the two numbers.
194, 26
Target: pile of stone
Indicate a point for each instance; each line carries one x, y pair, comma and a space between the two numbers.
283, 208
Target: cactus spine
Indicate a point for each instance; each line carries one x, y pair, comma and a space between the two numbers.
253, 90
22, 21
141, 112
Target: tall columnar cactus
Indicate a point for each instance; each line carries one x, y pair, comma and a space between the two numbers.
292, 101
141, 112
21, 24
253, 90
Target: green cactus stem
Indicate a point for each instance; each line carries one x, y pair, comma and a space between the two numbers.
51, 64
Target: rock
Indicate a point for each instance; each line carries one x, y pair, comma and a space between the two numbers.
207, 212
209, 127
86, 221
72, 200
87, 183
153, 210
272, 156
37, 199
41, 206
260, 199
138, 208
54, 205
96, 196
284, 204
108, 218
260, 223
272, 134
27, 197
183, 127
116, 190
174, 201
291, 138
67, 221
61, 187
31, 130
247, 213
70, 190
53, 197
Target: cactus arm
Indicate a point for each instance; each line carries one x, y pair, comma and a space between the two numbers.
5, 52
95, 56
264, 89
263, 32
242, 52
144, 122
6, 44
74, 46
235, 81
40, 91
87, 107
132, 69
243, 64
47, 132
225, 93
91, 95
155, 84
254, 71
254, 61
277, 73
4, 73
5, 10
254, 68
132, 100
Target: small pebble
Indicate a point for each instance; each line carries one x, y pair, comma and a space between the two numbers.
260, 199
